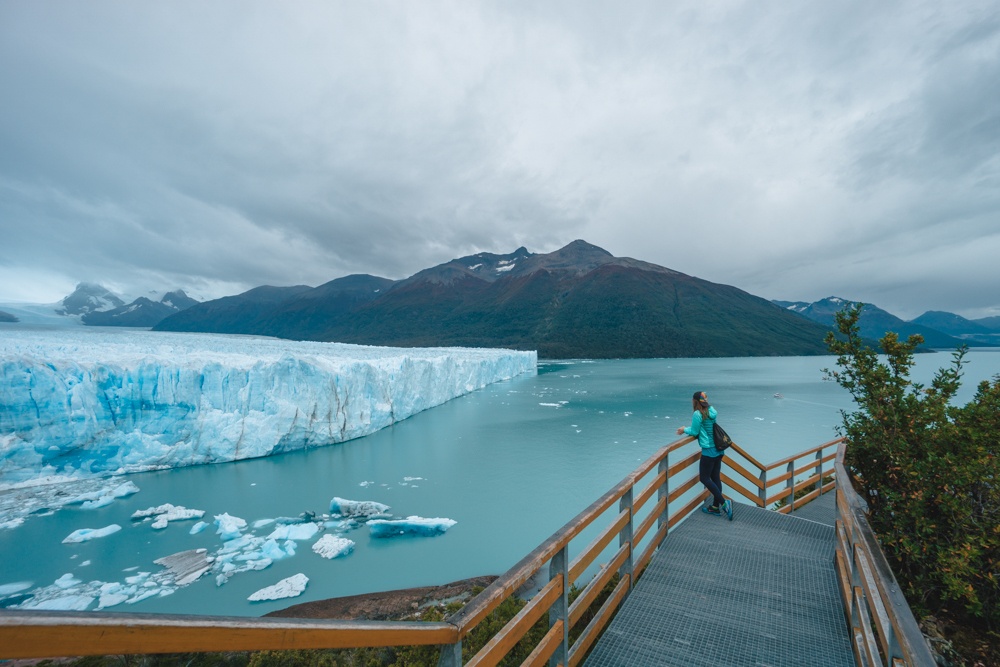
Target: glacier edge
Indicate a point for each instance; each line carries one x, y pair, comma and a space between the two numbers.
91, 403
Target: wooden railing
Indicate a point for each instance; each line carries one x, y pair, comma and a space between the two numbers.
640, 525
871, 596
787, 475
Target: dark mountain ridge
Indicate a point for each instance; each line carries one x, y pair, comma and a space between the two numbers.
143, 312
939, 329
577, 302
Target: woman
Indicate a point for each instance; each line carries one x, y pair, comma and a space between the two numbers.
710, 466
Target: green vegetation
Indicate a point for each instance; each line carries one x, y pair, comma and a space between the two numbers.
930, 472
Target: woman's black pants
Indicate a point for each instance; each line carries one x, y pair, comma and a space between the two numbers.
710, 474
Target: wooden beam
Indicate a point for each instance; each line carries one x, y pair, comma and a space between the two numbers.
539, 657
647, 555
27, 634
593, 550
502, 642
731, 485
650, 489
596, 585
583, 643
648, 522
745, 474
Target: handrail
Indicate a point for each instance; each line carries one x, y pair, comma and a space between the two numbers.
33, 634
763, 482
868, 587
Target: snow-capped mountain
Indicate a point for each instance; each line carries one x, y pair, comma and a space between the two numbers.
94, 304
143, 312
89, 298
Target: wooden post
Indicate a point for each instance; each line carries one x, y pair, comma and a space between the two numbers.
819, 469
451, 655
762, 492
791, 484
664, 491
559, 565
625, 536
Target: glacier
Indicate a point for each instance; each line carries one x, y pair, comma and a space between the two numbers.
77, 403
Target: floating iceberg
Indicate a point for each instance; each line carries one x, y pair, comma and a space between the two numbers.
68, 593
411, 525
333, 546
62, 603
86, 534
30, 500
286, 588
166, 513
84, 402
230, 527
186, 566
297, 531
103, 497
10, 589
357, 508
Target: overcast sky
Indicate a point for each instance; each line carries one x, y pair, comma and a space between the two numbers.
796, 150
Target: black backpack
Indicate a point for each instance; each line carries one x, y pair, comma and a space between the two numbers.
721, 438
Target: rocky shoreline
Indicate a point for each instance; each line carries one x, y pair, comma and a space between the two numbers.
388, 605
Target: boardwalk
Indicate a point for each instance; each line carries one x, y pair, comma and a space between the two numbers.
761, 590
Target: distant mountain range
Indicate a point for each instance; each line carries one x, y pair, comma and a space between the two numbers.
577, 302
95, 305
939, 329
143, 312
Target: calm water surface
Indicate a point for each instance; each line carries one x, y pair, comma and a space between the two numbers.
510, 463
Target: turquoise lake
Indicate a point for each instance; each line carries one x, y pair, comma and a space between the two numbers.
510, 463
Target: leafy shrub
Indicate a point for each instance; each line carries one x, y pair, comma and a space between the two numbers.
929, 471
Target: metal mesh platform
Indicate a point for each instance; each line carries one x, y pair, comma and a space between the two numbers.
761, 590
822, 510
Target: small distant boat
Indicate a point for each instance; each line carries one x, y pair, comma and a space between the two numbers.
778, 396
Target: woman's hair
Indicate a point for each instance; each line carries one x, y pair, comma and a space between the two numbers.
700, 402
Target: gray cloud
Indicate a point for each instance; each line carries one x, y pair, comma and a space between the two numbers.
818, 148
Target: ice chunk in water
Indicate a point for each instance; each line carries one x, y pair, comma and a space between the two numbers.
166, 513
298, 531
63, 603
85, 534
198, 527
357, 508
411, 525
333, 546
104, 497
229, 526
286, 588
186, 566
16, 587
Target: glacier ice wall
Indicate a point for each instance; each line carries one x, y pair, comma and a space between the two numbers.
91, 402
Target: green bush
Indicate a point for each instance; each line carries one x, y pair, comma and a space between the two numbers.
928, 470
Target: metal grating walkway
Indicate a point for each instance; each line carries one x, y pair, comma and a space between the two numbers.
761, 590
